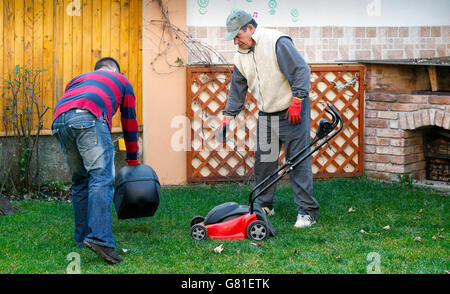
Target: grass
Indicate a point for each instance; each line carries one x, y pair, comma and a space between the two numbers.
39, 238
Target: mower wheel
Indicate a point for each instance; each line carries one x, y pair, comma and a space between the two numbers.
257, 231
198, 232
196, 220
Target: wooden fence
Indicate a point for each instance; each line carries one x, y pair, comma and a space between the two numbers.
209, 160
66, 37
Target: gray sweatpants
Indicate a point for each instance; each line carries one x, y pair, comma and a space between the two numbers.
272, 132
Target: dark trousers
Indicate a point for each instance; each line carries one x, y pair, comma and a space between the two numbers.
274, 131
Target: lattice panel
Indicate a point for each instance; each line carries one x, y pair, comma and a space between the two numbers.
211, 160
343, 87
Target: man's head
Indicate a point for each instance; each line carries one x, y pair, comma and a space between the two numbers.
240, 28
107, 63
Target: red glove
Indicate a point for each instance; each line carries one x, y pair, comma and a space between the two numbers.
222, 130
132, 162
294, 111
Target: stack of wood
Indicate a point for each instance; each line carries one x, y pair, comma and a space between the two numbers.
439, 170
437, 148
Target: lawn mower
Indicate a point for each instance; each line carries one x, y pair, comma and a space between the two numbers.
231, 221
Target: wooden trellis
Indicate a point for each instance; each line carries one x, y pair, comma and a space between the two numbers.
211, 160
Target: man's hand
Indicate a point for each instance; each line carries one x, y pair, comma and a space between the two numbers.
294, 111
132, 162
222, 130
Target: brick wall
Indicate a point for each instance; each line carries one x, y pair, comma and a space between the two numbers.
327, 44
395, 122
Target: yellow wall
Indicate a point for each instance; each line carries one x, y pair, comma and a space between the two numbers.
164, 89
66, 37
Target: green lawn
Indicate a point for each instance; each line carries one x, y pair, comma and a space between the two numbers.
38, 239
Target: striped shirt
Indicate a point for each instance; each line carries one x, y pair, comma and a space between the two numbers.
102, 93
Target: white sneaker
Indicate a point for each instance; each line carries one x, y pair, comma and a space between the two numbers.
304, 220
268, 211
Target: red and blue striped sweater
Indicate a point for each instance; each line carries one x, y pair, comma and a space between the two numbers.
102, 93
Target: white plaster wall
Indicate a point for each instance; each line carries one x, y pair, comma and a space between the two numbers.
324, 12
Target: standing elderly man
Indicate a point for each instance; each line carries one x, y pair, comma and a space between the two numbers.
82, 124
269, 65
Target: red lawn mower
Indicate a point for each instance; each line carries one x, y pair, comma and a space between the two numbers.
231, 221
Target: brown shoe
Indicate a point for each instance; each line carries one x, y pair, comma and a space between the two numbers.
107, 253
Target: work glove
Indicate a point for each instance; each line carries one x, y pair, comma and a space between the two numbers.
222, 130
294, 110
132, 162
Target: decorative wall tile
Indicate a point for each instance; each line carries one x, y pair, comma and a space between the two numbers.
330, 44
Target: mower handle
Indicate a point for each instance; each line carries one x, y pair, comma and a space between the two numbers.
325, 127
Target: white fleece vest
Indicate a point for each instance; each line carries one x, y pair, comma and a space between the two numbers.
265, 80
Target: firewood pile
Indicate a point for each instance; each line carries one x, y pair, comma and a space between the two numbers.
437, 146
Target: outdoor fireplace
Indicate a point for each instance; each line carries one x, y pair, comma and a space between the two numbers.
407, 119
437, 154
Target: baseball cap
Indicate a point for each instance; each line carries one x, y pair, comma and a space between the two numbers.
235, 21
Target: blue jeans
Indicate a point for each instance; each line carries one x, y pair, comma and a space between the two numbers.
87, 146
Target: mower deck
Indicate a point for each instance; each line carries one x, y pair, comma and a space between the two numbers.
231, 221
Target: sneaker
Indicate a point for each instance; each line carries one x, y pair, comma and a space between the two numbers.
304, 220
107, 253
268, 211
